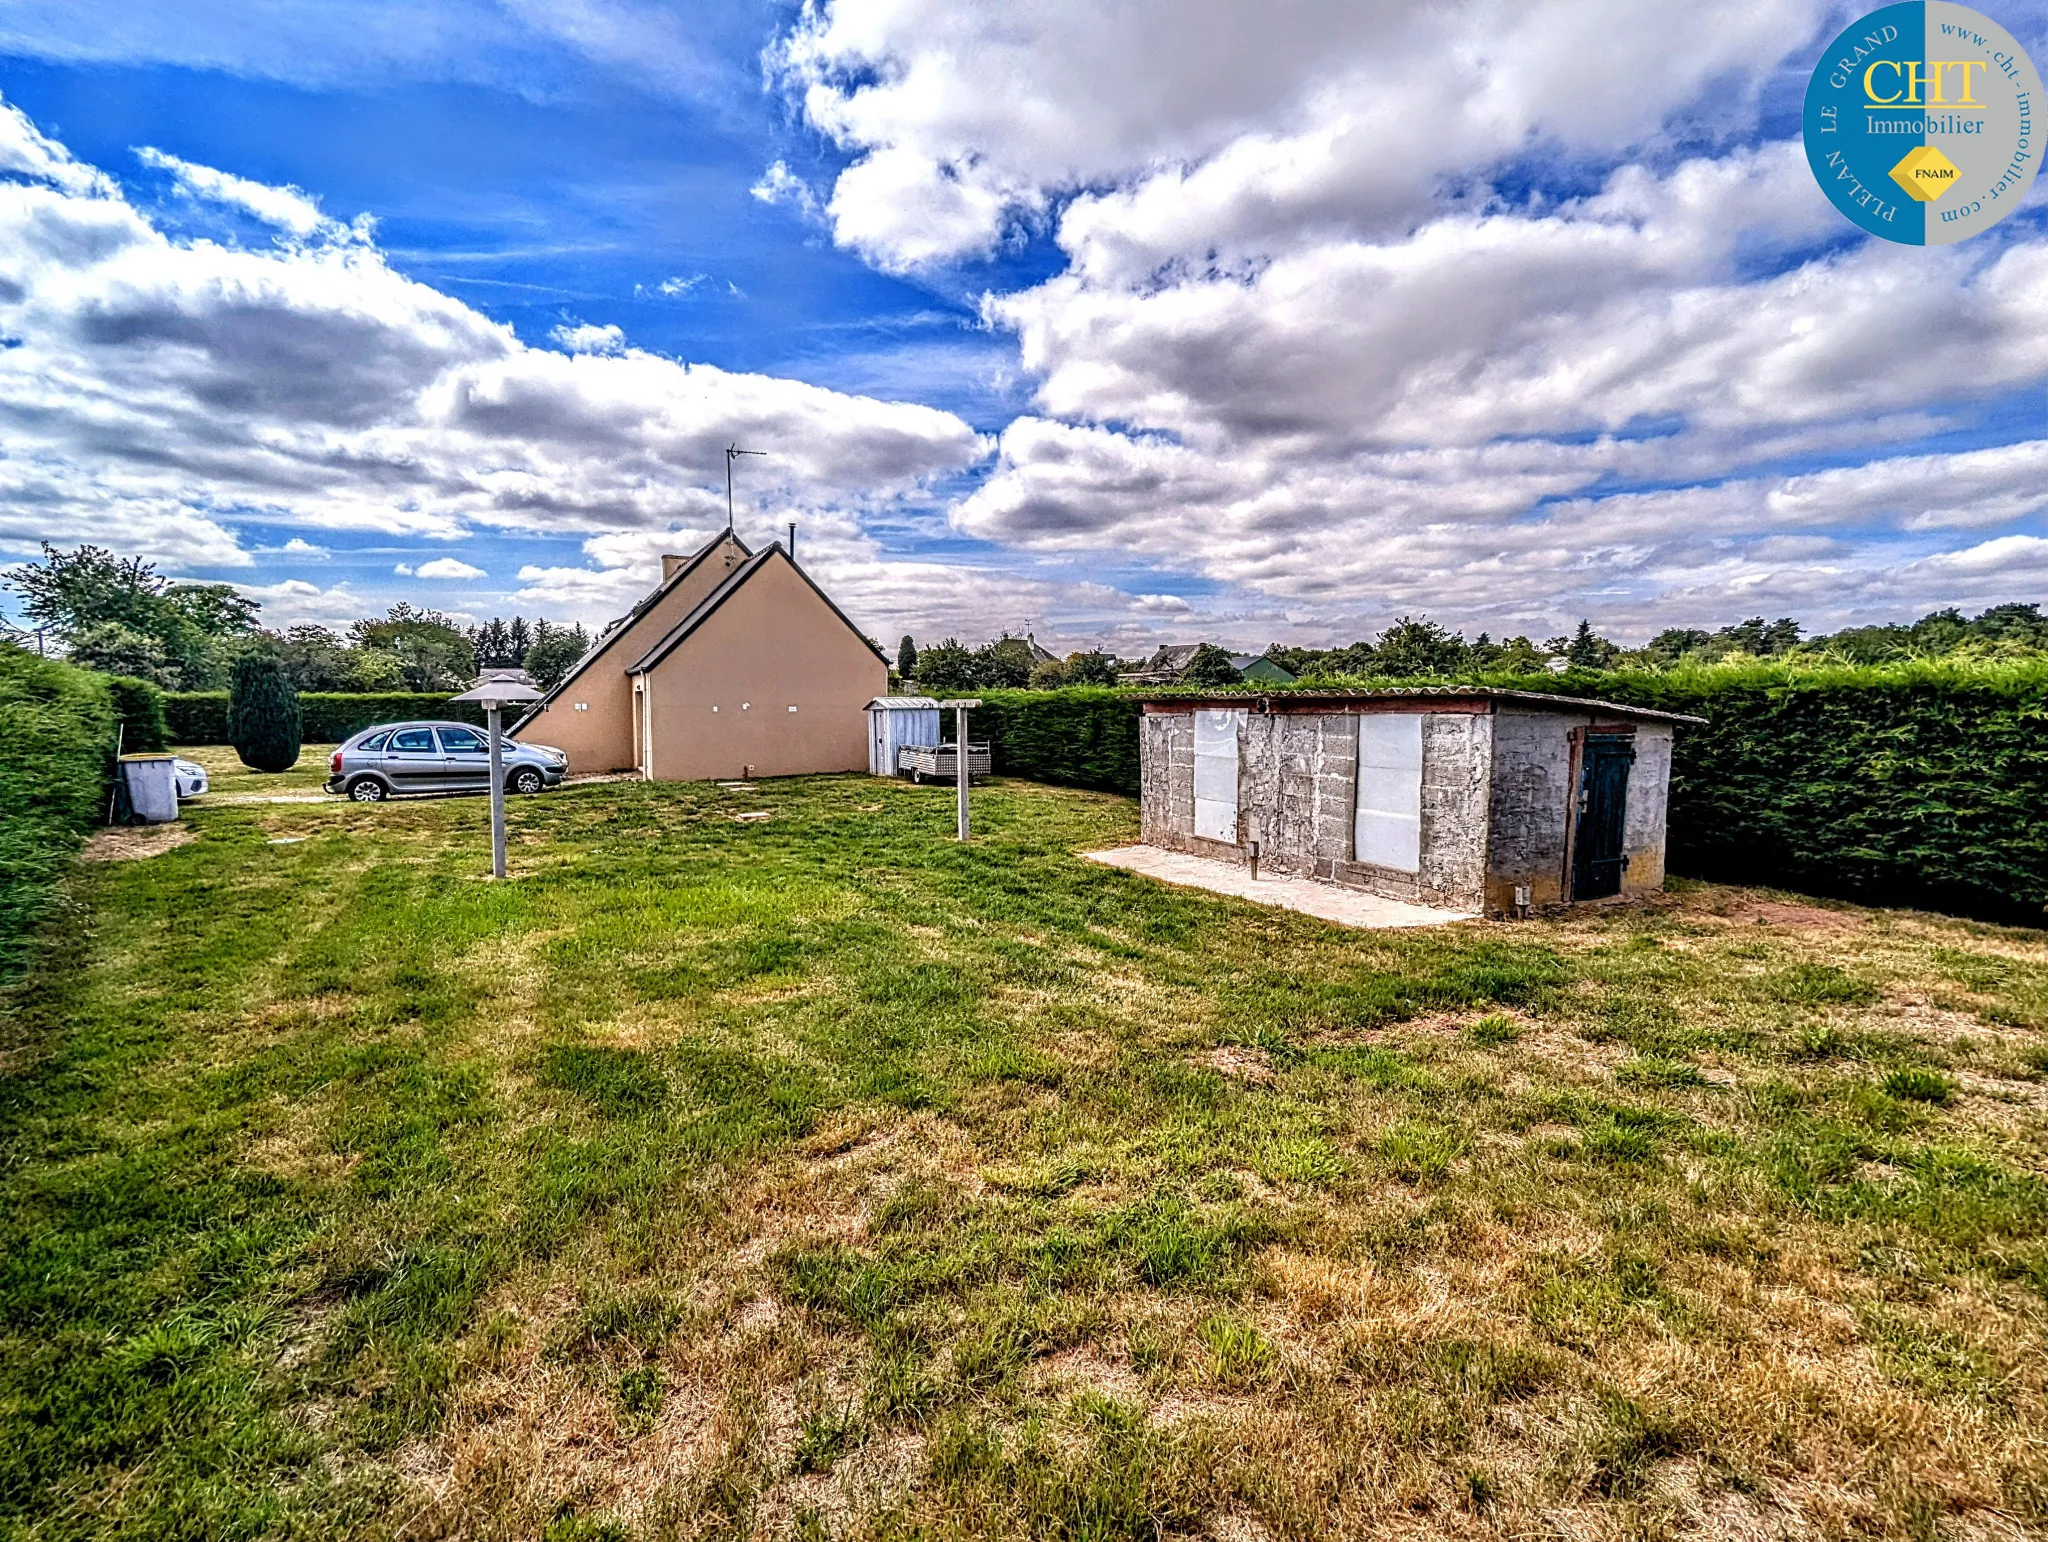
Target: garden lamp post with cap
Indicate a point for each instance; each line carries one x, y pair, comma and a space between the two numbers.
494, 696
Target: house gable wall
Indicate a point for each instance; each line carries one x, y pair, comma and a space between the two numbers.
601, 738
772, 644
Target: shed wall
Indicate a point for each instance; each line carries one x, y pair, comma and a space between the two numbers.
890, 728
1533, 794
1649, 806
1298, 792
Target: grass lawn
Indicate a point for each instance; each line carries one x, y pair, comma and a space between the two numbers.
815, 1176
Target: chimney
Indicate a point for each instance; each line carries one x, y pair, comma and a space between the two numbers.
669, 563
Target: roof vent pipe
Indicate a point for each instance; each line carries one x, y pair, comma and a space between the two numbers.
792, 540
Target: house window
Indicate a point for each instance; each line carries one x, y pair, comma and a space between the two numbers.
1216, 775
1388, 832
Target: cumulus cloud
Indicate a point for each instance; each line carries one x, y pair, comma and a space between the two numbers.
584, 337
287, 208
440, 567
162, 390
1217, 122
294, 602
1342, 332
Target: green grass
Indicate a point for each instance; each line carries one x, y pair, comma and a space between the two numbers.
822, 1176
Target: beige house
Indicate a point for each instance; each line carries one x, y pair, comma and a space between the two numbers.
737, 665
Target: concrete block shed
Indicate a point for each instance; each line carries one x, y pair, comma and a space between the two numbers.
1465, 798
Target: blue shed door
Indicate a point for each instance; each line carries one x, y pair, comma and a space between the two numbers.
1597, 856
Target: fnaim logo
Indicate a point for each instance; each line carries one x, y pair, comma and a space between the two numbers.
1923, 123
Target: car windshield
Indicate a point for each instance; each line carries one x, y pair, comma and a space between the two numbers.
414, 740
462, 741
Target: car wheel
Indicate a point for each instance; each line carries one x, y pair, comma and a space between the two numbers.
526, 780
366, 789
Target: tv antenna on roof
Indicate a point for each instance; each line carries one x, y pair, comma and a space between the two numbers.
732, 453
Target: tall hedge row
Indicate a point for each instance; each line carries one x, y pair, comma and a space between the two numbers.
1917, 784
57, 724
201, 717
1086, 736
139, 714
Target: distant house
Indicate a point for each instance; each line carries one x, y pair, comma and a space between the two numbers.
1169, 666
736, 665
1257, 667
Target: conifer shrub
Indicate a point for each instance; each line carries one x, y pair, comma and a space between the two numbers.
263, 715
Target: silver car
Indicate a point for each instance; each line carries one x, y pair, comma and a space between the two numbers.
397, 759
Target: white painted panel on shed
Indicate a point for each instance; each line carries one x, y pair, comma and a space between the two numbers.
1389, 828
1216, 734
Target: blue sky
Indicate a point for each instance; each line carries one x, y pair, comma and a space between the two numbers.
1136, 327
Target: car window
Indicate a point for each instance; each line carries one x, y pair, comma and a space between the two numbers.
415, 741
462, 741
374, 743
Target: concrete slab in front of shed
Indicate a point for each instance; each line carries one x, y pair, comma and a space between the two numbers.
1347, 907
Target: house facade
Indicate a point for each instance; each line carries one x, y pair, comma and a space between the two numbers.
1476, 800
736, 665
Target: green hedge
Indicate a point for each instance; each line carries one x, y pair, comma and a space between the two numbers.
1911, 784
58, 725
138, 714
201, 717
1085, 736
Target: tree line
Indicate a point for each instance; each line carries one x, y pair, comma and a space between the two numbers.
118, 616
1007, 663
1412, 647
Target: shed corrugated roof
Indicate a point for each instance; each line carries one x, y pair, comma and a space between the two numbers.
1336, 698
903, 703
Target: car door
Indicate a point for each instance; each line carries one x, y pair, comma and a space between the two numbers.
413, 761
466, 757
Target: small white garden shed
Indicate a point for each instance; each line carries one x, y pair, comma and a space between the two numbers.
893, 722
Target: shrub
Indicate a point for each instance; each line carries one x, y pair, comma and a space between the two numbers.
326, 717
1086, 736
138, 715
263, 715
58, 726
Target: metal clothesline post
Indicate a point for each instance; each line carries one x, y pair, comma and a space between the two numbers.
960, 757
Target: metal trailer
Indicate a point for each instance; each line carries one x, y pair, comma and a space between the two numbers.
937, 762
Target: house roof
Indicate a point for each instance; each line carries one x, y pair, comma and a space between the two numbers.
725, 591
625, 623
1309, 700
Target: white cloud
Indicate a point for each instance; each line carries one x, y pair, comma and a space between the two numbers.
1303, 352
286, 208
585, 337
445, 567
162, 391
294, 602
779, 185
1347, 112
